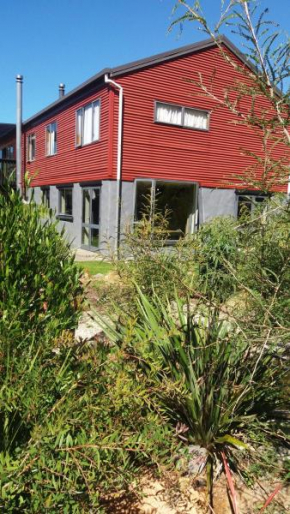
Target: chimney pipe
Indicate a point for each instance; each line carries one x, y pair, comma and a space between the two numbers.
19, 81
61, 90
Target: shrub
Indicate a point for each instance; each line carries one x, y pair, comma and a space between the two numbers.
215, 245
39, 281
147, 258
265, 260
215, 380
71, 428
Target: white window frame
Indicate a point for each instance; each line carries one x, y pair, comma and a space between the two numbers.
183, 109
30, 138
50, 129
79, 138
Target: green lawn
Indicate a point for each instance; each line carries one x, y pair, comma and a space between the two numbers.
94, 267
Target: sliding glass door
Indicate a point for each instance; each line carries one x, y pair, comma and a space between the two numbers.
91, 218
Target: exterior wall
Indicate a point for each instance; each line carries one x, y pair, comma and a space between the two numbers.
70, 164
212, 203
108, 215
108, 202
72, 228
212, 158
216, 202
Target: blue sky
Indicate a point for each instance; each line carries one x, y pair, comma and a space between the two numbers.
53, 41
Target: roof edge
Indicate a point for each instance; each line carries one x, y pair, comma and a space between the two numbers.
140, 64
179, 52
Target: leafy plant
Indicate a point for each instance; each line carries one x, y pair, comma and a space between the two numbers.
39, 281
215, 245
208, 373
71, 429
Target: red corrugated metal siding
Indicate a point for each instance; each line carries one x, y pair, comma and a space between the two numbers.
212, 158
71, 164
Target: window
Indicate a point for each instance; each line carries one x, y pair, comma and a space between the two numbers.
178, 200
248, 203
88, 124
181, 116
50, 139
65, 203
45, 197
31, 147
91, 217
8, 153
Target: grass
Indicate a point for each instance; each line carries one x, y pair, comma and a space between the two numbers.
95, 267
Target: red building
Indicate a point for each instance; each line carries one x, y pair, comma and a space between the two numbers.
142, 129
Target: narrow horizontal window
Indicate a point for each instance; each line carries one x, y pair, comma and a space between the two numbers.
168, 114
88, 124
31, 147
51, 139
181, 116
195, 119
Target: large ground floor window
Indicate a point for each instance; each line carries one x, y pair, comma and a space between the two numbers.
91, 217
178, 200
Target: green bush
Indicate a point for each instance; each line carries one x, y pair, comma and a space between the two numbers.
264, 267
71, 428
215, 380
216, 245
147, 258
39, 281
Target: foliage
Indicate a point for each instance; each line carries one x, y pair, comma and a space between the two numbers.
215, 244
71, 428
265, 257
39, 281
209, 374
147, 259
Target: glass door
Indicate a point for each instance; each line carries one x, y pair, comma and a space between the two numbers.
91, 218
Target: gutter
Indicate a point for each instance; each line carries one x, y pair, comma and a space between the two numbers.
119, 159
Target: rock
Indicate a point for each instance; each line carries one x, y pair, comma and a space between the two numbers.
98, 276
88, 328
197, 461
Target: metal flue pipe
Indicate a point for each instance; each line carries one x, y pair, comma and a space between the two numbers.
19, 81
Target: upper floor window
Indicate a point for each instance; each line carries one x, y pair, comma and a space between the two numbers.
181, 116
31, 147
88, 123
50, 139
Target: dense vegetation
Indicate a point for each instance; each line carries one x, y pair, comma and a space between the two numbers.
69, 426
200, 340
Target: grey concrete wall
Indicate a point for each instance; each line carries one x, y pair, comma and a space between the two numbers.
216, 202
108, 203
212, 203
72, 228
108, 211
